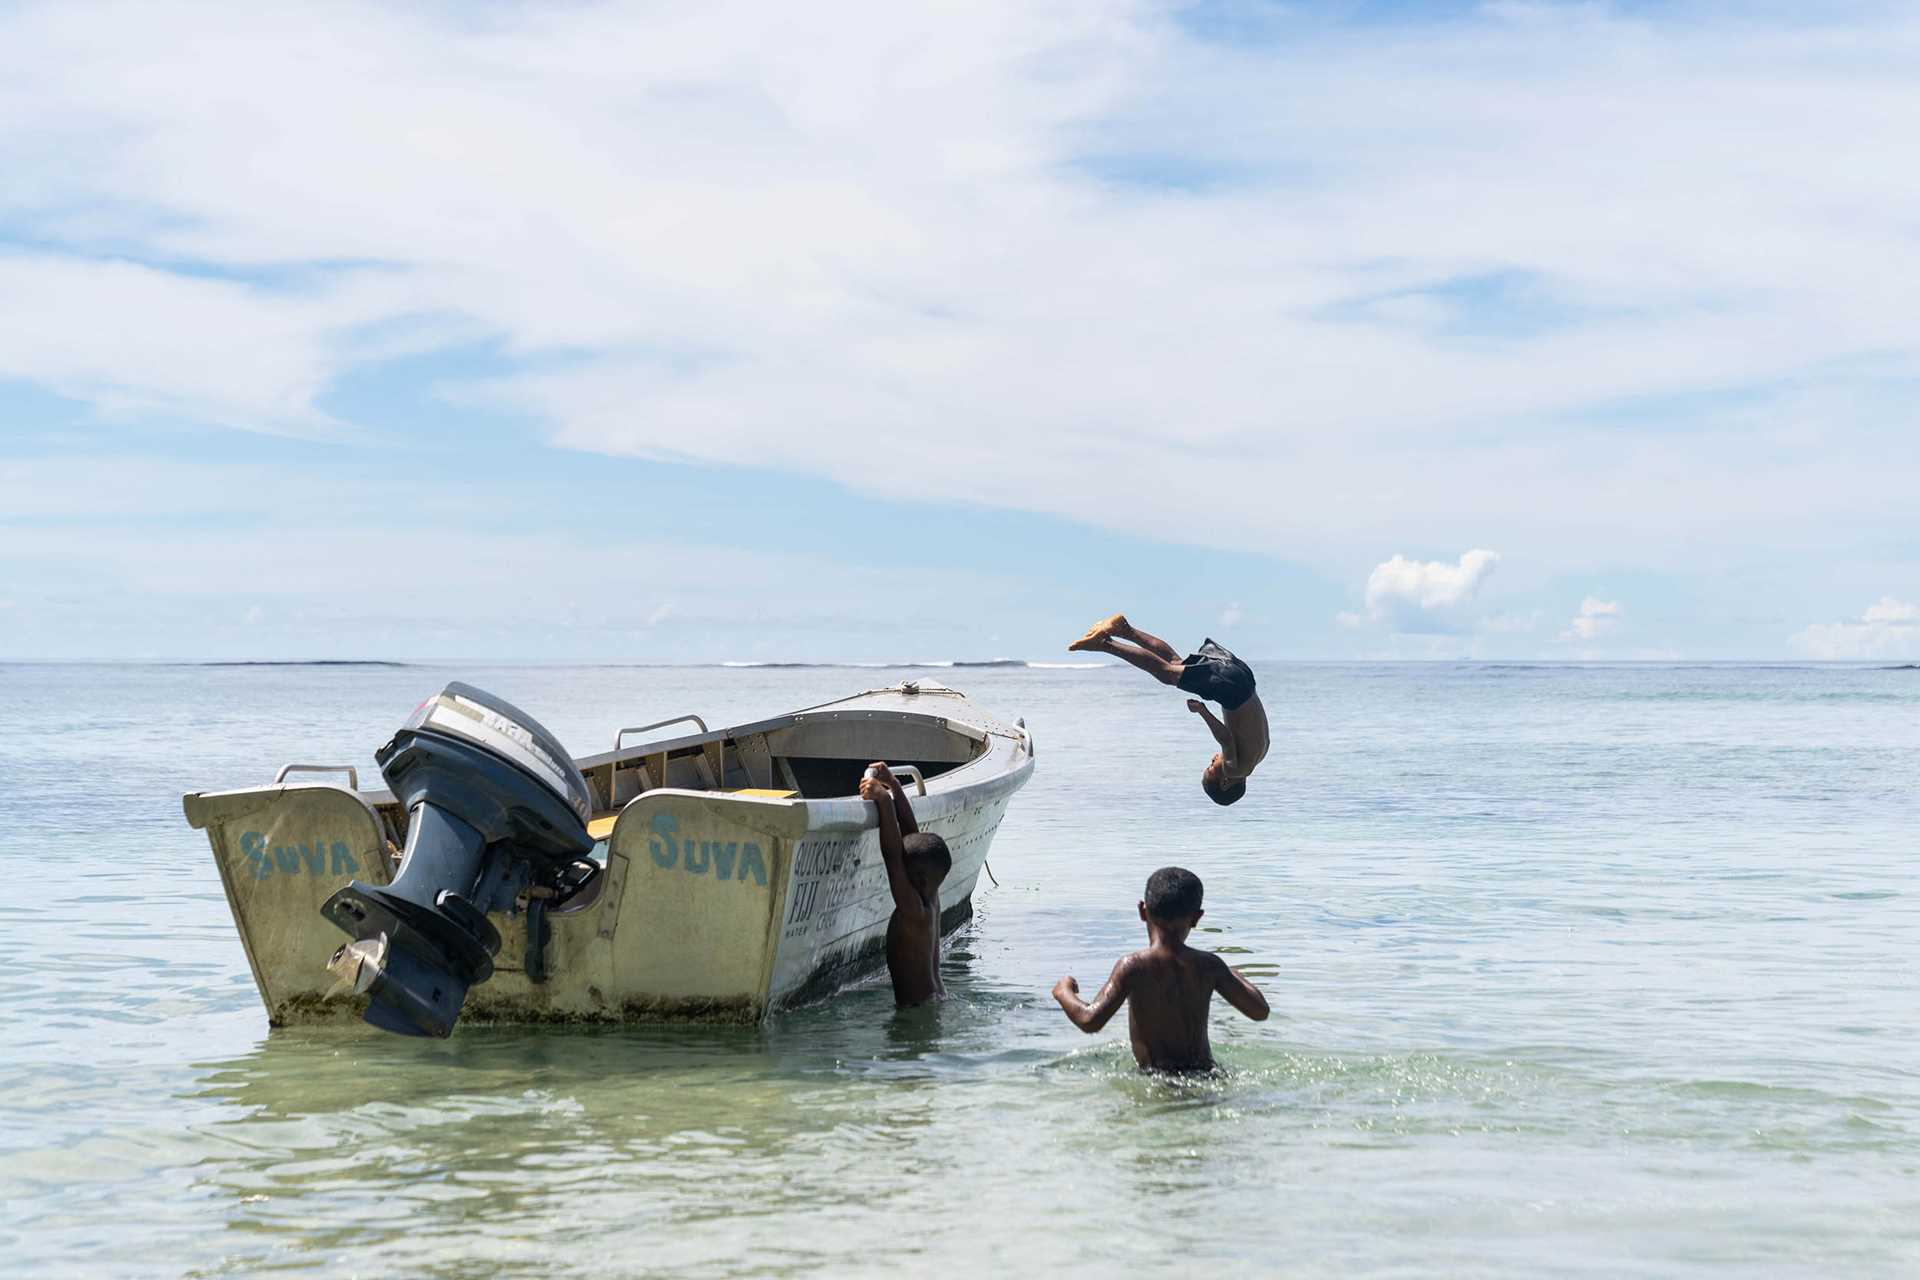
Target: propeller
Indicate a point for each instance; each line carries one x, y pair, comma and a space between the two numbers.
355, 965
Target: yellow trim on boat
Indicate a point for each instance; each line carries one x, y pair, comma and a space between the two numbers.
602, 827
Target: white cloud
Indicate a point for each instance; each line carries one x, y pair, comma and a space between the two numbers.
1889, 628
1891, 612
135, 339
1231, 615
1596, 618
1426, 595
1071, 234
253, 616
660, 614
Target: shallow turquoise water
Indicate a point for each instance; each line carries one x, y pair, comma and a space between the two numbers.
1575, 970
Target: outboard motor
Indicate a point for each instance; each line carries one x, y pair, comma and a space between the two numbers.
495, 806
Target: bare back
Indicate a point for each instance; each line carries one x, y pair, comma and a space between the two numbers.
913, 953
1169, 990
1248, 725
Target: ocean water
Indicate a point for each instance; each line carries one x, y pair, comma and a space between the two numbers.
1576, 970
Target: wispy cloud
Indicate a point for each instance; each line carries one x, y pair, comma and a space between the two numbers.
1891, 613
1595, 618
1336, 284
500, 590
1388, 278
1888, 628
136, 339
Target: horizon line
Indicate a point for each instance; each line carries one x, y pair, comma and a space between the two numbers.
1033, 664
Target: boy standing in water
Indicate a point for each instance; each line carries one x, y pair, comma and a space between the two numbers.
1211, 673
1168, 986
917, 861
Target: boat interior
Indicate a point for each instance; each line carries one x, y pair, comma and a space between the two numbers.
797, 757
803, 756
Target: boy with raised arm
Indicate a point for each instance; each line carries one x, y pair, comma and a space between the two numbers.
1211, 673
1168, 986
917, 861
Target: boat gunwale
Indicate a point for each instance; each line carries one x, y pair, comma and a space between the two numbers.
375, 799
851, 813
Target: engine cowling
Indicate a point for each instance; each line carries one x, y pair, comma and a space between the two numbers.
495, 805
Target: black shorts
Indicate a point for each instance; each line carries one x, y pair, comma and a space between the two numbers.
1218, 676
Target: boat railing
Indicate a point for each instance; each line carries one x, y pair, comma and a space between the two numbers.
353, 774
620, 737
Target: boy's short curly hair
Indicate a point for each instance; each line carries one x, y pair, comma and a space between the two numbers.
927, 851
1173, 893
1223, 790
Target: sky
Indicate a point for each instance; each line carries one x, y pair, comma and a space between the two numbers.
719, 332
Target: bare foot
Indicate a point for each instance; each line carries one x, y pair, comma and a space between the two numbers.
1098, 633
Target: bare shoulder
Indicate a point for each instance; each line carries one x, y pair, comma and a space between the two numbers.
1133, 964
1206, 964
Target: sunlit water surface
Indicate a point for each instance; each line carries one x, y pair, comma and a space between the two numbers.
1596, 970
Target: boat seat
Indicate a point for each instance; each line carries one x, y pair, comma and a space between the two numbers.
765, 793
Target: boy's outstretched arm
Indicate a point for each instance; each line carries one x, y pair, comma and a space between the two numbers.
1091, 1017
892, 852
1233, 987
1221, 734
901, 809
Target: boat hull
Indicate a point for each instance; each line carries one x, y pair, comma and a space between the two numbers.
711, 906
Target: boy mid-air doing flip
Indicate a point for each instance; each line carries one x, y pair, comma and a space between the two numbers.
1213, 674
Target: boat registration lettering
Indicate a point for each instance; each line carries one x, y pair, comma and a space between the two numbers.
824, 882
317, 859
722, 859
